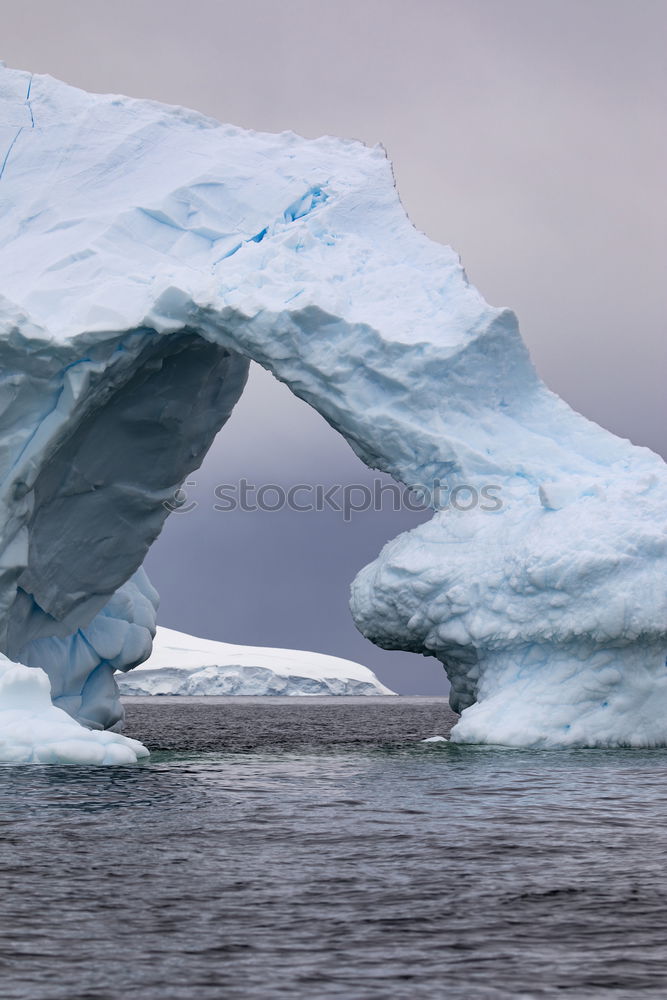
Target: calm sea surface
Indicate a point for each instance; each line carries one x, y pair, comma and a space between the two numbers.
315, 848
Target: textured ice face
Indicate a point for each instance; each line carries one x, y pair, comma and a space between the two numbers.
146, 254
550, 623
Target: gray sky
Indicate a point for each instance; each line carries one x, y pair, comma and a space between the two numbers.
528, 134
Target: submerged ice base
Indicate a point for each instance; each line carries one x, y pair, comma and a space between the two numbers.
147, 253
583, 696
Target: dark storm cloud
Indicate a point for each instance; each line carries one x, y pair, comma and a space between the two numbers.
529, 135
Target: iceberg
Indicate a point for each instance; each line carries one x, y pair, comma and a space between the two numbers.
182, 664
34, 731
147, 254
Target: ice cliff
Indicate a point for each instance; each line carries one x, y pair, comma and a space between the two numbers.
146, 254
183, 664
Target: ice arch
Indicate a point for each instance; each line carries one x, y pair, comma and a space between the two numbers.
147, 253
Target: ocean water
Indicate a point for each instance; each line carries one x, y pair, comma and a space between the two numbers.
316, 848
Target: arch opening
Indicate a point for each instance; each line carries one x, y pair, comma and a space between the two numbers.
98, 502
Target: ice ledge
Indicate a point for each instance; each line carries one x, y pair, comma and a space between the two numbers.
34, 731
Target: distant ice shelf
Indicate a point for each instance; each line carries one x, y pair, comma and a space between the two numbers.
183, 664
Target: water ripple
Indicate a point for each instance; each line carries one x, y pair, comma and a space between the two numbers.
319, 850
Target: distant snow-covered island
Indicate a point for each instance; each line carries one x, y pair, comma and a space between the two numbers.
183, 664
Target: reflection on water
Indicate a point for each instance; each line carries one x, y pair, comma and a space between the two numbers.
318, 849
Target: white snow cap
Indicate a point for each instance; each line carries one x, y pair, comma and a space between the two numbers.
148, 252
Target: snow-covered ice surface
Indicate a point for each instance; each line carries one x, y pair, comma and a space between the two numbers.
146, 254
182, 664
34, 731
